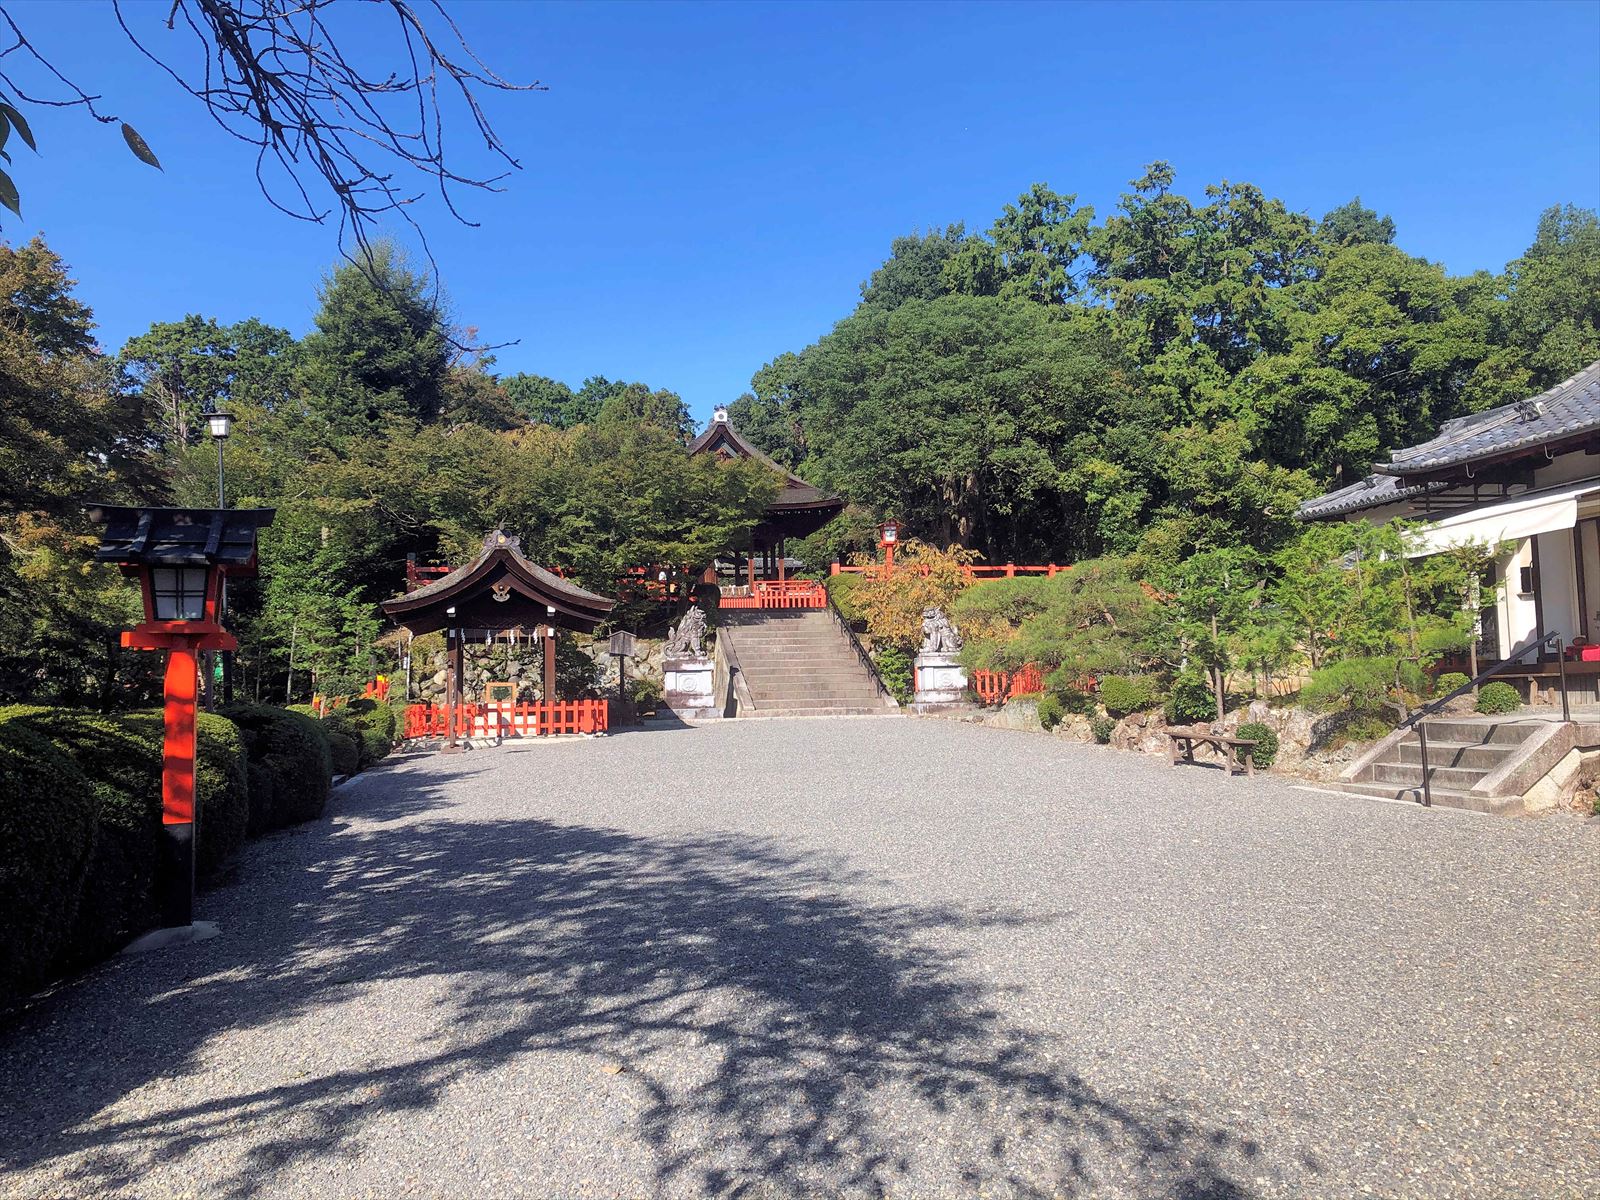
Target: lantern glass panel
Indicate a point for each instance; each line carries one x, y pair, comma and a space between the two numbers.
179, 592
220, 423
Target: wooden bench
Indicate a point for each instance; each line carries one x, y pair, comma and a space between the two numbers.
1228, 747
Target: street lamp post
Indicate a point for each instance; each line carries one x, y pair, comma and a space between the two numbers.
220, 425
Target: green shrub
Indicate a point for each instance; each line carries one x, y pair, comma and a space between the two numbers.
1498, 697
1352, 685
1266, 740
647, 693
121, 763
375, 745
370, 714
841, 588
222, 793
1074, 701
398, 708
1123, 695
1448, 682
293, 747
1364, 727
895, 667
1191, 700
1051, 711
345, 751
48, 819
1102, 728
120, 756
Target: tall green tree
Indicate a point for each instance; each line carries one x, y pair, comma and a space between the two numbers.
379, 353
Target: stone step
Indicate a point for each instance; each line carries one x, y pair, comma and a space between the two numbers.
826, 710
1484, 756
804, 671
1442, 797
820, 696
1477, 733
1454, 778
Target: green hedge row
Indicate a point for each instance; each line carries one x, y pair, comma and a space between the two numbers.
80, 820
359, 732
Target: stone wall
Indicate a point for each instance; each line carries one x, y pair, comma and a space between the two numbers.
1301, 733
523, 665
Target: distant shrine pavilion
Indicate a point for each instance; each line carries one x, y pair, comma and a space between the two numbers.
800, 508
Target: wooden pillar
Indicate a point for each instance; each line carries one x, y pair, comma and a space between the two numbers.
452, 691
177, 787
750, 565
783, 560
549, 664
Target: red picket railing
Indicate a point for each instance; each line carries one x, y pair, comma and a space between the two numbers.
508, 720
996, 687
974, 571
780, 593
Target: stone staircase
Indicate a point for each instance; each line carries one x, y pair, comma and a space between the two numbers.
1461, 753
798, 662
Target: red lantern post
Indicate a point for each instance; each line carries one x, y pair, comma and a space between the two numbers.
888, 538
180, 556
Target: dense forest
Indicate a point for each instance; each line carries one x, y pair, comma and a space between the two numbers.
1169, 381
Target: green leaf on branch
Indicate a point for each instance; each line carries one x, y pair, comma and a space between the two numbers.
141, 148
20, 123
8, 194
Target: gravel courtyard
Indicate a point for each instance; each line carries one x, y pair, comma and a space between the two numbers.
841, 958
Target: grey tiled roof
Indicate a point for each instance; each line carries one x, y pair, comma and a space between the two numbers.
189, 536
1569, 408
1372, 492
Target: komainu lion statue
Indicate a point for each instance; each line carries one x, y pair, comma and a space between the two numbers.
938, 635
686, 637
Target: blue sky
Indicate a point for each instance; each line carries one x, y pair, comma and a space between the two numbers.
705, 186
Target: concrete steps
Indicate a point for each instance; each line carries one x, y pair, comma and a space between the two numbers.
1461, 753
799, 663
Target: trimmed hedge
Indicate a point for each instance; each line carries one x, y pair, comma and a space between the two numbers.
1449, 682
120, 757
292, 748
222, 789
1266, 740
345, 751
1498, 697
1124, 695
1050, 711
48, 821
1191, 701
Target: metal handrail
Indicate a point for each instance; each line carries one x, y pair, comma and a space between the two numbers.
861, 651
1418, 719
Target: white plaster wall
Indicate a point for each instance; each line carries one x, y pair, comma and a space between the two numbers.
1519, 617
1558, 584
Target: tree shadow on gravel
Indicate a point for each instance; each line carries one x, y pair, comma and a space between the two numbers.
827, 1028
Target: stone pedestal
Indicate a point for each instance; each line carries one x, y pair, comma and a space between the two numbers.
688, 687
941, 682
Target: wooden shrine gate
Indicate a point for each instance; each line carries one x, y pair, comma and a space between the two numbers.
507, 720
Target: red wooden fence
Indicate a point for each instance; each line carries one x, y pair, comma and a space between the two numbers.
973, 570
780, 593
508, 720
996, 687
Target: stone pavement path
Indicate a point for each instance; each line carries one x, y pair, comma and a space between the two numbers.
841, 958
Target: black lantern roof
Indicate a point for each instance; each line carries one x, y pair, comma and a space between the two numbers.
179, 536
